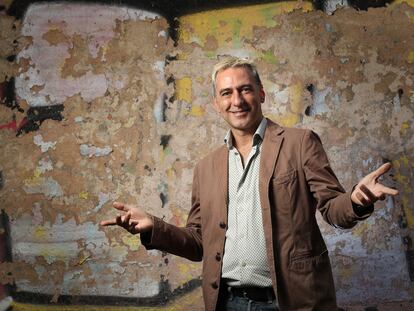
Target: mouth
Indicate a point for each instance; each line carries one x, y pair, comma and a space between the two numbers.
239, 111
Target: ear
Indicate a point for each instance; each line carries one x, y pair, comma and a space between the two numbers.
262, 95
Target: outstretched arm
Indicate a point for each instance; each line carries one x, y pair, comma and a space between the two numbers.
158, 234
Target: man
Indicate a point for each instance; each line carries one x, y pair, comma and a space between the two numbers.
252, 219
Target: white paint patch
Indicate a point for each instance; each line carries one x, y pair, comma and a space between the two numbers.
282, 97
47, 186
45, 164
5, 303
103, 199
78, 119
92, 151
159, 108
46, 60
59, 241
159, 68
163, 33
331, 6
319, 105
396, 103
44, 146
368, 274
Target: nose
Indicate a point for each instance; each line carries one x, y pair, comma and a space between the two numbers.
237, 98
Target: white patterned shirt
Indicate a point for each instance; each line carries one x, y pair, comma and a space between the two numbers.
245, 261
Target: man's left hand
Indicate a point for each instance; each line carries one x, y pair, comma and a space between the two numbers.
369, 190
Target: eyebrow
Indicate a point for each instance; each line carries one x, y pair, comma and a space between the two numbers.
238, 87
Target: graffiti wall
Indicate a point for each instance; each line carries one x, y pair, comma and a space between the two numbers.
104, 102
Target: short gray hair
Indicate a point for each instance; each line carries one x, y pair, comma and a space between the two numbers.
234, 62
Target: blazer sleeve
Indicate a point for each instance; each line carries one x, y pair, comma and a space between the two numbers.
331, 199
181, 241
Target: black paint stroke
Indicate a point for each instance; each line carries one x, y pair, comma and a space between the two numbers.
37, 115
164, 296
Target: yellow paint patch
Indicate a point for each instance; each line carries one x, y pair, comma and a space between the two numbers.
83, 259
234, 24
182, 56
40, 233
83, 195
346, 272
185, 271
295, 97
409, 2
197, 111
36, 179
410, 57
404, 160
132, 241
288, 119
360, 229
37, 172
130, 122
170, 173
183, 89
401, 179
179, 216
54, 253
404, 127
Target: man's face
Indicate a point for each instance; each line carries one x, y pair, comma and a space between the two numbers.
238, 99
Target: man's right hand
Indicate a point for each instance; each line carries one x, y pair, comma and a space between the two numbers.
133, 219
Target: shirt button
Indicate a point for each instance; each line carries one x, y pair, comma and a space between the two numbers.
218, 257
222, 225
243, 264
214, 285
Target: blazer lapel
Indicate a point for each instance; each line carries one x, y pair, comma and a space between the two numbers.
270, 151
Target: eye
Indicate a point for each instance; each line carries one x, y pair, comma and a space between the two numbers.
225, 93
246, 89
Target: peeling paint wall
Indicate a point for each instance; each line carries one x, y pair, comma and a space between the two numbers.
107, 108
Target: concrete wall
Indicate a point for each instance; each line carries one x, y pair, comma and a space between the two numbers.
108, 108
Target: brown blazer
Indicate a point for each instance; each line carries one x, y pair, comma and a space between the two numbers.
295, 180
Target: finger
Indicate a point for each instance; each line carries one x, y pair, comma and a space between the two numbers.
381, 170
111, 222
121, 206
387, 190
368, 193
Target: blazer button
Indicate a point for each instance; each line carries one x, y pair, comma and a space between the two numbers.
218, 257
222, 225
214, 285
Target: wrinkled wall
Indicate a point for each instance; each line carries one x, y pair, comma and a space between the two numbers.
107, 108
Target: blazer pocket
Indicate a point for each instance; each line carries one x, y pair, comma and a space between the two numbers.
285, 177
308, 263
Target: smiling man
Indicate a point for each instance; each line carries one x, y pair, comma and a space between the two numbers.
252, 219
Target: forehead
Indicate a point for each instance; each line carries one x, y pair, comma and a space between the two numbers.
233, 77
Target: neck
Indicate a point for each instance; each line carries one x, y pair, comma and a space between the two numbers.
244, 138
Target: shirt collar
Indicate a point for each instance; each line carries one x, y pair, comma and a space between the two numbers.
257, 137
